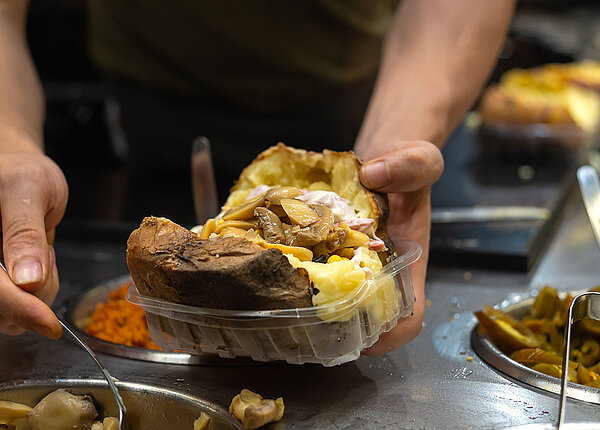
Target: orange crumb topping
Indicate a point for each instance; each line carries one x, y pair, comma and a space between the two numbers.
122, 322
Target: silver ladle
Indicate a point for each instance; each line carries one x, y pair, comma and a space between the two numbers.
111, 382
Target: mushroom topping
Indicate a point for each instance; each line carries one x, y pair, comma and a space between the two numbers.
270, 225
237, 223
245, 211
61, 410
13, 415
12, 410
334, 241
254, 411
299, 212
314, 233
276, 194
202, 422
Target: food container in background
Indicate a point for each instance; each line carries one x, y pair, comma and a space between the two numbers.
329, 334
534, 141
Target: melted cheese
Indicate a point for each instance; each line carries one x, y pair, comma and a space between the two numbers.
340, 276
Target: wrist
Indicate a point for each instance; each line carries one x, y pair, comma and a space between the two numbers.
15, 141
389, 121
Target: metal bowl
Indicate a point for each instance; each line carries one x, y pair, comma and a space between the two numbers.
552, 426
79, 311
148, 407
518, 307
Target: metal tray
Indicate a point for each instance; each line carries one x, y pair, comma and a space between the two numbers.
148, 407
79, 310
517, 307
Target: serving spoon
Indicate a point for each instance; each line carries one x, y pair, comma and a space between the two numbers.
111, 381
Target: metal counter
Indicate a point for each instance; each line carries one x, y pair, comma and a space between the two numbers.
428, 384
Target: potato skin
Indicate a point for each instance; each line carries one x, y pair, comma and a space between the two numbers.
169, 262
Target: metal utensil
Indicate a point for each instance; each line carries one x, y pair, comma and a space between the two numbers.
589, 184
107, 376
111, 382
584, 305
489, 214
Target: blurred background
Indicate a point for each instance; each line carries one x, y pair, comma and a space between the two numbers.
81, 133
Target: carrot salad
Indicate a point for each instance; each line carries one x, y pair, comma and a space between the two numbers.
122, 322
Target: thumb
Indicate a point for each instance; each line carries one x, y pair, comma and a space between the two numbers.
413, 165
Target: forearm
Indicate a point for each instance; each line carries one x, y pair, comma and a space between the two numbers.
21, 97
436, 57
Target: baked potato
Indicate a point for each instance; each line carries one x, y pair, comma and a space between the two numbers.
297, 230
551, 94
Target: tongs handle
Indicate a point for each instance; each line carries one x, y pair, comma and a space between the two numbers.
584, 305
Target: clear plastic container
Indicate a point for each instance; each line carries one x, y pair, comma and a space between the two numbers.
329, 334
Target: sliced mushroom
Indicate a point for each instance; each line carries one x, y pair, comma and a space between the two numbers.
110, 423
208, 228
314, 233
271, 225
334, 241
299, 212
10, 411
276, 209
202, 422
245, 211
237, 223
254, 411
276, 194
62, 410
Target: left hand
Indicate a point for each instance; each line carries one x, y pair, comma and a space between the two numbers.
406, 173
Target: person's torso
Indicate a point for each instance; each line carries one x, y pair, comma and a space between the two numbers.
261, 54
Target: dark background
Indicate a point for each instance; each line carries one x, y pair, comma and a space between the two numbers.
76, 133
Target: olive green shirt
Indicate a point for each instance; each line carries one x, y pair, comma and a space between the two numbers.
260, 54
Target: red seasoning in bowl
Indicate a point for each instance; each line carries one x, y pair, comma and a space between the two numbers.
119, 321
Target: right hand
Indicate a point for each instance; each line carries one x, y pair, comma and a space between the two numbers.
33, 198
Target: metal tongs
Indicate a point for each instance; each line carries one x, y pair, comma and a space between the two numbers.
111, 382
584, 306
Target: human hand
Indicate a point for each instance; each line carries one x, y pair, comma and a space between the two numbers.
406, 173
33, 197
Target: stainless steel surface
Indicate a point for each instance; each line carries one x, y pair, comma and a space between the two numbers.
80, 309
109, 379
518, 306
149, 407
590, 191
428, 385
584, 305
489, 213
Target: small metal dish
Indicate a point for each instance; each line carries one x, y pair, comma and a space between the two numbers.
489, 353
80, 309
148, 407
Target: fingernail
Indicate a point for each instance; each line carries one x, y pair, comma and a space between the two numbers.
377, 174
27, 271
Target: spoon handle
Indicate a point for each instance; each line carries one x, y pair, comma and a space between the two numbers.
107, 376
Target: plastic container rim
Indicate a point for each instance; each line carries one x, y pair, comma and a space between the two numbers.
390, 270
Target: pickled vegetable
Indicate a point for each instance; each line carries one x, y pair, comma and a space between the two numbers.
543, 331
